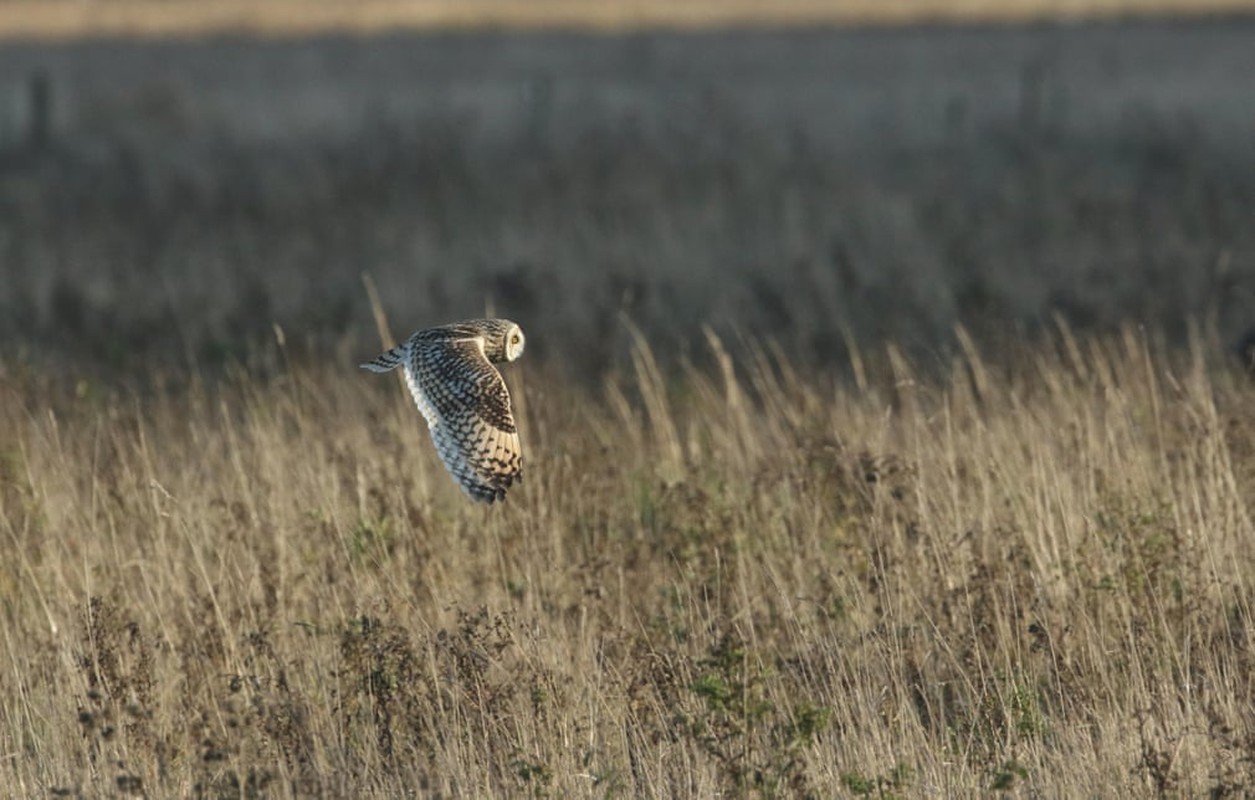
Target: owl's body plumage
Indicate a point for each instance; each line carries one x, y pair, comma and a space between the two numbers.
450, 372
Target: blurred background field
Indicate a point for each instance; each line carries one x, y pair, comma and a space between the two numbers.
173, 200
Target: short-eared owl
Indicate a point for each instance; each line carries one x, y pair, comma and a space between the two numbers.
450, 372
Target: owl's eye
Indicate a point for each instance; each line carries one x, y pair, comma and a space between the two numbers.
514, 339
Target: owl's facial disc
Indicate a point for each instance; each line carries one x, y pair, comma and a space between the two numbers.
514, 343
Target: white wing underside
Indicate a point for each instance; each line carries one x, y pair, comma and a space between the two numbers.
421, 400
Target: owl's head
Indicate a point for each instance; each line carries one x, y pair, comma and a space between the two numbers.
514, 341
503, 338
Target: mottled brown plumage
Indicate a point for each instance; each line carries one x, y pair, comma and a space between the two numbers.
450, 372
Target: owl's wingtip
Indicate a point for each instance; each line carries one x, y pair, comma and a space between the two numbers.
486, 494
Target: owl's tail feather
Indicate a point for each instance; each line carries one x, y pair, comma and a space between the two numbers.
386, 361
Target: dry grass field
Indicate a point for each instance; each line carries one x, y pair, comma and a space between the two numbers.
741, 581
883, 436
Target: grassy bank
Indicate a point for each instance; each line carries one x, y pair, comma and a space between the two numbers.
65, 19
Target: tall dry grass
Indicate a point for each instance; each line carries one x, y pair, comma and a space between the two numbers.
1032, 576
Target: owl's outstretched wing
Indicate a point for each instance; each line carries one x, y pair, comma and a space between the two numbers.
467, 407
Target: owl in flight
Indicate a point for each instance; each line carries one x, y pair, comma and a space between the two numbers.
450, 372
